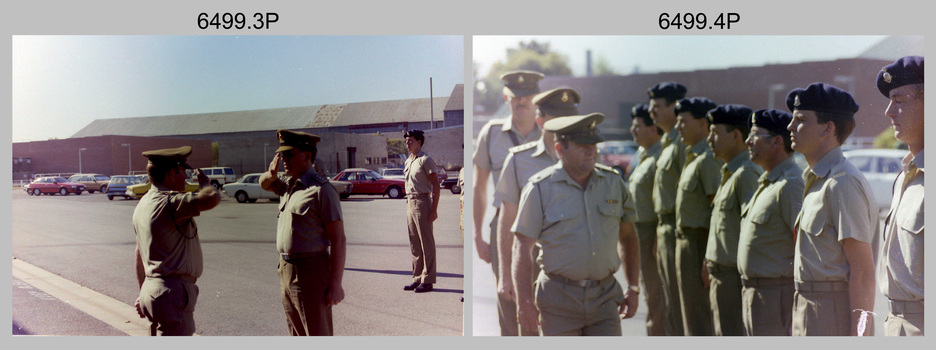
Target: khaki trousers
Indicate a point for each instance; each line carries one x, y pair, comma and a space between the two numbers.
693, 296
422, 242
767, 306
571, 310
304, 287
169, 305
725, 297
666, 266
823, 313
652, 288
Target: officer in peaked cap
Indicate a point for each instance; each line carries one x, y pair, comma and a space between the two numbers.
522, 162
491, 149
765, 246
834, 229
559, 211
168, 257
900, 273
310, 236
729, 128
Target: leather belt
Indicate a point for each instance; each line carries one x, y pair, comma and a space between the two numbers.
185, 278
578, 283
898, 307
416, 195
754, 282
714, 268
287, 257
815, 286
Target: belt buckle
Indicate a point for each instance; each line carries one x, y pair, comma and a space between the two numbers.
583, 283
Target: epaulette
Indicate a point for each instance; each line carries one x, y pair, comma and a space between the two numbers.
542, 174
319, 178
606, 168
497, 121
523, 147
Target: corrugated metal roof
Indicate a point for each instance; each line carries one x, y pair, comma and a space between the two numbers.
456, 101
363, 113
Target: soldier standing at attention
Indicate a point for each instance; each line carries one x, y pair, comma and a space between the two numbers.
168, 256
672, 159
494, 141
309, 236
579, 212
694, 194
901, 267
522, 162
648, 136
729, 126
833, 268
422, 180
765, 247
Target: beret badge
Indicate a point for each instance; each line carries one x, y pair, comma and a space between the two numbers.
887, 76
796, 101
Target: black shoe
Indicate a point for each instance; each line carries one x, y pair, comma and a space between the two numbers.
423, 287
411, 286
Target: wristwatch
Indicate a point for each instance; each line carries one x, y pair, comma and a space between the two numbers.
634, 288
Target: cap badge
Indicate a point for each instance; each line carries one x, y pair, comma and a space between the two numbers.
520, 80
887, 76
796, 101
565, 97
678, 106
593, 125
753, 118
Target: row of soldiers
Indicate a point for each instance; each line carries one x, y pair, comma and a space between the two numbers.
733, 238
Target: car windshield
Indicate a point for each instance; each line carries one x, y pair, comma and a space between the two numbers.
393, 172
374, 174
59, 179
101, 177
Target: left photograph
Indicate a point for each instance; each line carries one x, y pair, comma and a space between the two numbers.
237, 185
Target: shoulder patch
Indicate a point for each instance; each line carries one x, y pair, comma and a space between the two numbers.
523, 147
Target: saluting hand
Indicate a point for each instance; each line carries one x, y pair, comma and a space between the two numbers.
274, 166
203, 179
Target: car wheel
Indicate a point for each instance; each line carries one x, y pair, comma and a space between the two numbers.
90, 191
216, 185
103, 189
63, 191
241, 197
110, 197
36, 192
78, 193
344, 195
394, 192
456, 189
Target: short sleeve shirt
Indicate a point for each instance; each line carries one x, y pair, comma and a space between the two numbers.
732, 195
494, 142
166, 233
900, 275
522, 162
698, 181
416, 171
306, 207
839, 205
668, 168
576, 228
641, 183
765, 247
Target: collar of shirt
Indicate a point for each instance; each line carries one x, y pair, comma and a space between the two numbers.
778, 171
508, 127
561, 174
420, 154
825, 164
917, 160
306, 178
738, 161
700, 147
541, 149
672, 135
655, 150
160, 188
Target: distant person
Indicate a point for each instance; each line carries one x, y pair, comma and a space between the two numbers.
494, 141
422, 204
310, 236
168, 256
901, 266
833, 267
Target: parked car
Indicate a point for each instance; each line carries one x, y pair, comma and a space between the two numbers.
219, 176
247, 189
452, 185
92, 182
138, 190
343, 187
880, 167
118, 185
392, 173
617, 154
366, 181
52, 185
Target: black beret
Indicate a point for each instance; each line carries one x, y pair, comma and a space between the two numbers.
774, 120
820, 97
905, 71
640, 110
699, 106
169, 157
415, 133
730, 114
289, 139
558, 102
668, 89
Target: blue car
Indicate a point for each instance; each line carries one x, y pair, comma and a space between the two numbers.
118, 185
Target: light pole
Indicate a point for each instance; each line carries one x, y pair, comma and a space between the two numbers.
770, 94
129, 159
79, 159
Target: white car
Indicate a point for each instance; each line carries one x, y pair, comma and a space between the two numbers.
247, 189
392, 173
880, 167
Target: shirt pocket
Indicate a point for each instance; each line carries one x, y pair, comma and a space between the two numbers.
761, 214
689, 185
909, 214
813, 222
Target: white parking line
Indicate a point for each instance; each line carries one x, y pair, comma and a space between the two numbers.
109, 310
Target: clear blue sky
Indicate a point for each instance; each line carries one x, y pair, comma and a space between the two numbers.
63, 83
657, 53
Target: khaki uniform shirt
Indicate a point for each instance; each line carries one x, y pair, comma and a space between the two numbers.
901, 269
641, 183
306, 206
698, 181
838, 205
494, 143
668, 167
734, 193
522, 162
576, 228
765, 247
166, 233
416, 171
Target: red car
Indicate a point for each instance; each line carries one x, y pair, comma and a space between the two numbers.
366, 181
53, 185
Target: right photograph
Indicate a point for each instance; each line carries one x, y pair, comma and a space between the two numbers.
697, 186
